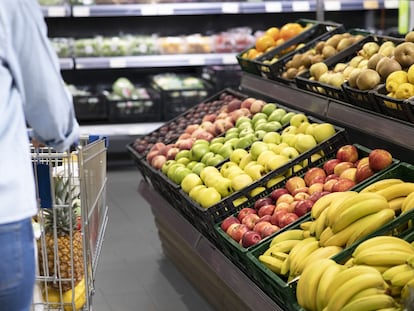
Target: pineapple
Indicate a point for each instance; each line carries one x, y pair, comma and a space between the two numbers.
61, 222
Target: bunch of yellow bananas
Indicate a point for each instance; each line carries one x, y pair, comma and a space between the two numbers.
327, 285
72, 300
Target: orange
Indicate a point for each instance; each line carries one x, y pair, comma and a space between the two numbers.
252, 53
279, 41
290, 30
264, 42
273, 32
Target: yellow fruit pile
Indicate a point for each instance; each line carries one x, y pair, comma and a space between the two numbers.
400, 84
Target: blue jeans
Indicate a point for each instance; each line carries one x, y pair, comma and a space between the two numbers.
17, 265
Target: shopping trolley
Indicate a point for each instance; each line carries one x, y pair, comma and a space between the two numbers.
70, 224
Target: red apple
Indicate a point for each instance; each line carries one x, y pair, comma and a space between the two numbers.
232, 227
363, 172
266, 210
268, 230
250, 238
349, 173
172, 153
347, 153
316, 187
288, 198
260, 225
343, 185
233, 105
287, 219
294, 182
362, 161
238, 231
184, 136
150, 155
300, 190
236, 114
317, 179
211, 117
379, 159
275, 194
184, 144
277, 215
303, 207
342, 166
191, 128
250, 220
301, 196
329, 166
264, 218
312, 173
331, 176
228, 221
244, 212
158, 161
327, 186
246, 103
158, 146
285, 206
262, 201
257, 106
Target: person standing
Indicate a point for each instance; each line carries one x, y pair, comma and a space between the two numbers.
32, 94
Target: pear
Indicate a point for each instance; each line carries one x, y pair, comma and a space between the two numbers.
353, 77
317, 69
355, 61
344, 43
328, 51
319, 47
373, 60
387, 48
370, 48
409, 37
334, 40
367, 79
404, 54
386, 65
337, 79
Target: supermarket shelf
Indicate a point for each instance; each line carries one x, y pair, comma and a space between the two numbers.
202, 8
146, 61
127, 129
66, 63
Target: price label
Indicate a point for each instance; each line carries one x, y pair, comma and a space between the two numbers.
81, 11
56, 11
118, 62
229, 59
332, 5
197, 61
230, 8
165, 9
272, 7
391, 4
371, 4
300, 6
149, 10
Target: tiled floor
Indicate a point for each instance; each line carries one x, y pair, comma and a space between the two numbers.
133, 274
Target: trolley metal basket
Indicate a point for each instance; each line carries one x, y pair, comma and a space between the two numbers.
70, 224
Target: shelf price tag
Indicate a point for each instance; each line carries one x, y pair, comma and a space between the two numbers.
117, 62
391, 4
332, 5
300, 6
196, 61
273, 7
81, 11
230, 8
56, 11
165, 9
149, 10
371, 4
229, 59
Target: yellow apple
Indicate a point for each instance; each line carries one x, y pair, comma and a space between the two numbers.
190, 181
323, 131
276, 161
246, 159
208, 197
264, 157
241, 181
208, 170
255, 171
304, 142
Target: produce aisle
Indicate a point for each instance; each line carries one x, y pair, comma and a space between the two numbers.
133, 273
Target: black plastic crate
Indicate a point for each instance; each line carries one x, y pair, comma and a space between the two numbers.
392, 107
222, 76
89, 104
360, 98
317, 29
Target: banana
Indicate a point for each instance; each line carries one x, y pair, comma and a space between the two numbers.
368, 292
373, 222
410, 261
284, 269
354, 285
397, 190
358, 211
299, 254
381, 184
394, 270
324, 202
319, 253
402, 278
309, 281
380, 269
380, 240
312, 228
279, 255
306, 234
306, 225
283, 246
332, 209
320, 224
324, 283
407, 291
326, 234
371, 302
396, 204
387, 247
382, 258
293, 234
408, 203
272, 263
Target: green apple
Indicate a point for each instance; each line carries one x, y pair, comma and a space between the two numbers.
291, 129
179, 174
246, 132
245, 160
198, 151
217, 140
255, 171
257, 148
208, 197
230, 136
269, 108
167, 165
241, 181
231, 131
289, 152
226, 151
231, 142
277, 115
226, 166
298, 119
207, 156
244, 126
241, 120
275, 162
208, 170
191, 164
275, 180
264, 157
223, 186
196, 191
237, 154
302, 127
215, 160
244, 142
272, 126
184, 161
259, 134
304, 142
323, 131
172, 169
286, 118
259, 123
216, 147
190, 181
272, 137
183, 154
289, 139
201, 141
259, 116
